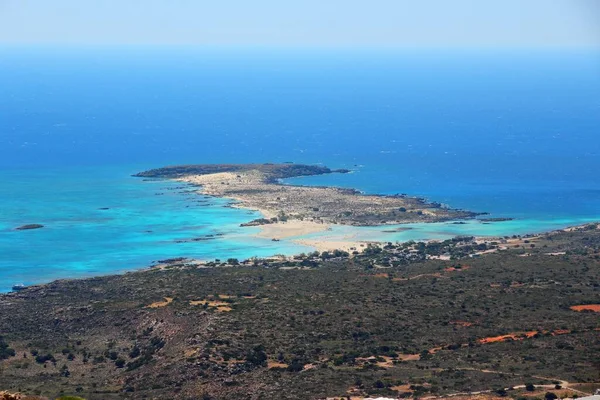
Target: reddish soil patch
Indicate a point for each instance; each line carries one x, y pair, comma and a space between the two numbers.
381, 275
587, 307
522, 336
510, 336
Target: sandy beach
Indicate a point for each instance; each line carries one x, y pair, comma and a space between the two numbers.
213, 184
284, 230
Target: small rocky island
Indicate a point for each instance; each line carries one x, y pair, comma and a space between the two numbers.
258, 187
29, 227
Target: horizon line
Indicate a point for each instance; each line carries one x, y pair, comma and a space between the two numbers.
205, 46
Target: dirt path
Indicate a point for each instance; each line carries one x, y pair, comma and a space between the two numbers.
564, 384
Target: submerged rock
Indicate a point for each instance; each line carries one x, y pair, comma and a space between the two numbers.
496, 219
29, 226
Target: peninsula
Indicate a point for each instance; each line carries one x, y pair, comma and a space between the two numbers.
259, 187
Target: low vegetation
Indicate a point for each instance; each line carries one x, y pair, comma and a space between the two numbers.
397, 320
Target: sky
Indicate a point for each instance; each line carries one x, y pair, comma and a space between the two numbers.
305, 23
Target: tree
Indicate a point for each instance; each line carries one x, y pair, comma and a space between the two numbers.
550, 396
530, 387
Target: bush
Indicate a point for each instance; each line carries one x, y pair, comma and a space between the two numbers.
5, 351
257, 356
379, 385
41, 359
135, 352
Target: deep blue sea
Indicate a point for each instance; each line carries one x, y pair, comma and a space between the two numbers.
513, 133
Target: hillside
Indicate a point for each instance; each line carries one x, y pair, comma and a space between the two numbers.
390, 321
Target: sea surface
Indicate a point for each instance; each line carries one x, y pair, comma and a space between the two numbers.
514, 133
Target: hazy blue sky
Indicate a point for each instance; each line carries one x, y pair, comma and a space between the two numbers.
471, 23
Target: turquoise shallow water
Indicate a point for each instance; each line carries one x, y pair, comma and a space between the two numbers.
144, 223
151, 220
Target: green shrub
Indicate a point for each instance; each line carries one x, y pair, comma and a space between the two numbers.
5, 351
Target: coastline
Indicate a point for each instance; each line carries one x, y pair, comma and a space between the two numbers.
320, 236
255, 190
348, 244
293, 212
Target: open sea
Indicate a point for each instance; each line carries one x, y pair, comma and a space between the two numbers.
513, 133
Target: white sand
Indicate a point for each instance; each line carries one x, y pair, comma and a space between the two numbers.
282, 230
